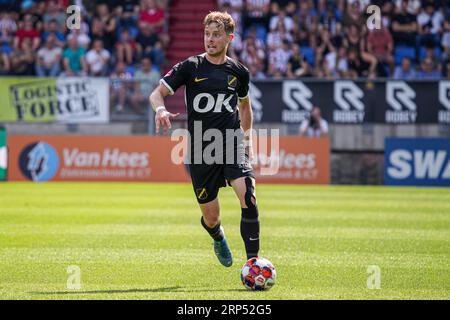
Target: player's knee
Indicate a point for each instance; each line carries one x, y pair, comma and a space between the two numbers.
211, 220
250, 198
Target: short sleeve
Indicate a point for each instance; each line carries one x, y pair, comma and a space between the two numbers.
244, 85
176, 77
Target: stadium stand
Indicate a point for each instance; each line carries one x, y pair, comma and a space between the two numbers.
333, 37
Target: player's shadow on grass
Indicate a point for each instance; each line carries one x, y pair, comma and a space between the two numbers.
166, 289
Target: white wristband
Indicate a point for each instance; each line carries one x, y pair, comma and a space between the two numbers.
160, 108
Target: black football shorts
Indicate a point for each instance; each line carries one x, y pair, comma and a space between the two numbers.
207, 179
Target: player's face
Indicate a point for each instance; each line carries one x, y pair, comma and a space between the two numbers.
216, 40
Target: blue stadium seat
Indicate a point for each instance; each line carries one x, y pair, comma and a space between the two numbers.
423, 52
308, 53
401, 52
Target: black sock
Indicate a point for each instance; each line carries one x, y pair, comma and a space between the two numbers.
215, 232
250, 231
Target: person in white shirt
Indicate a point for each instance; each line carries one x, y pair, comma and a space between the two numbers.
315, 126
97, 59
48, 62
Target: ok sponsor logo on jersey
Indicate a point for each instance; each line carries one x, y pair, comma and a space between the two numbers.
206, 102
417, 162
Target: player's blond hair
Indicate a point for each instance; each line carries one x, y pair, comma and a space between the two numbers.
223, 20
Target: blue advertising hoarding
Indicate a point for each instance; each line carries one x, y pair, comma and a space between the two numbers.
417, 162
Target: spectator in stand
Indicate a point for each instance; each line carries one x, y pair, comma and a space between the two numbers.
256, 14
82, 38
324, 46
335, 65
446, 70
387, 13
297, 66
256, 73
412, 6
150, 44
234, 8
52, 28
5, 64
8, 27
355, 44
446, 47
48, 62
98, 31
429, 70
53, 12
315, 126
22, 58
74, 59
151, 16
303, 37
128, 11
253, 56
429, 22
146, 40
307, 15
381, 46
252, 38
147, 78
353, 15
357, 67
107, 29
329, 18
445, 42
27, 32
405, 71
97, 59
127, 49
276, 37
121, 87
404, 26
287, 21
278, 60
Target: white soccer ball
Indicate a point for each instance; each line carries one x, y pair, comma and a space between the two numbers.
258, 274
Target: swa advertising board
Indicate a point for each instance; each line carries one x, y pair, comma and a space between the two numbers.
417, 162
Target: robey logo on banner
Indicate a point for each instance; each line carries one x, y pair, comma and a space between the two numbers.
444, 99
347, 96
400, 97
257, 107
296, 95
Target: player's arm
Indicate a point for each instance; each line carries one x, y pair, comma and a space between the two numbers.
162, 116
246, 115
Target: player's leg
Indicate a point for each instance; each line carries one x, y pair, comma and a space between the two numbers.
211, 222
206, 181
211, 218
244, 187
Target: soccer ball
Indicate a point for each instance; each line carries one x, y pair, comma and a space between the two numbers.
258, 274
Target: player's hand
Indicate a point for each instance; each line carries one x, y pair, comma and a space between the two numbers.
162, 119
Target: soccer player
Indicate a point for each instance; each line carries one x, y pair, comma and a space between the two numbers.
216, 95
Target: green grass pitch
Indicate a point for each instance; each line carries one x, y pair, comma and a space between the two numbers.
145, 241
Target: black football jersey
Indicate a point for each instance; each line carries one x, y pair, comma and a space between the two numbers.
211, 91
